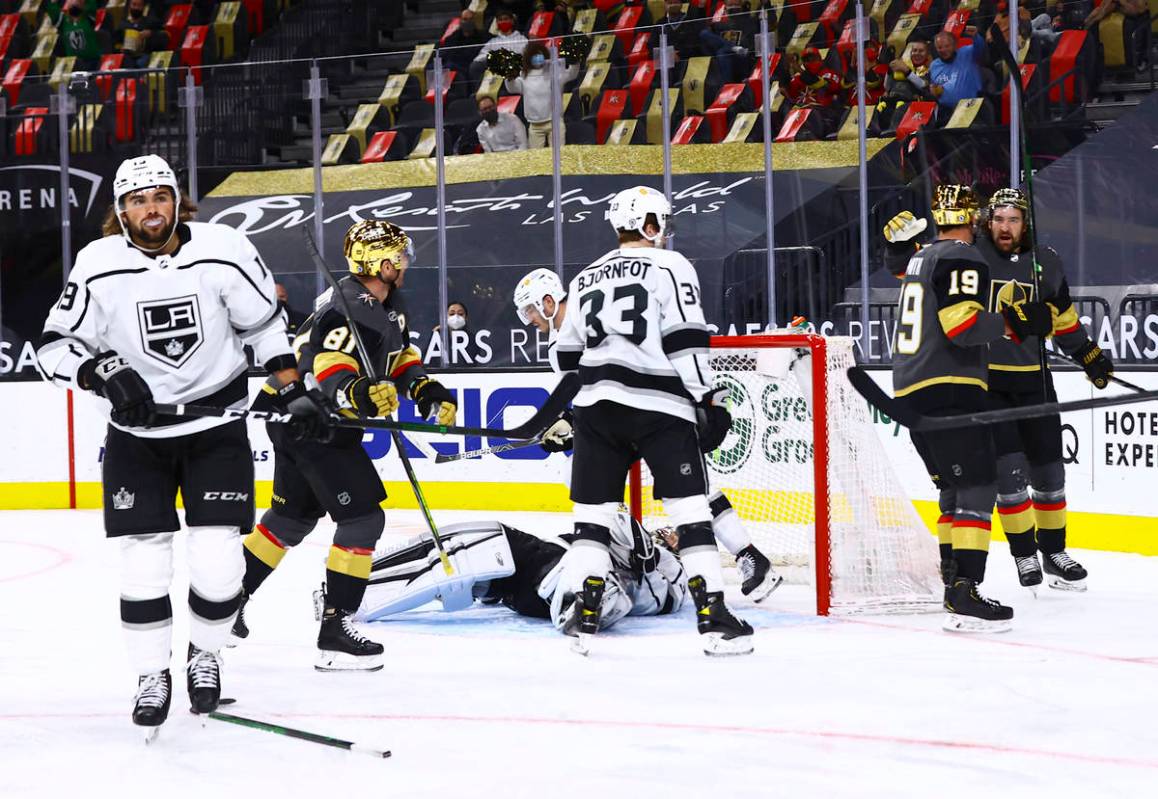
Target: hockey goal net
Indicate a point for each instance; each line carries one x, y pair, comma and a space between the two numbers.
809, 478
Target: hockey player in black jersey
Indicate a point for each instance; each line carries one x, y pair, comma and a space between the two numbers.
159, 310
940, 367
337, 477
1029, 451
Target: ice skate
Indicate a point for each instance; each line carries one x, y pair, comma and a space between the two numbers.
583, 621
970, 612
721, 632
342, 648
1063, 572
151, 704
203, 674
240, 630
1029, 572
760, 579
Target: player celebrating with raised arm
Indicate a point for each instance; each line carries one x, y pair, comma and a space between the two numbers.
636, 335
940, 366
159, 310
540, 300
1015, 380
313, 478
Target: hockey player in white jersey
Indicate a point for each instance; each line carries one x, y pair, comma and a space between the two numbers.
497, 563
541, 300
158, 311
636, 335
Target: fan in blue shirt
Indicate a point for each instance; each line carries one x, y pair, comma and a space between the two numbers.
958, 71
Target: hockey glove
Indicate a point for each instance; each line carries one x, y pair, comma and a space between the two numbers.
1027, 319
312, 410
109, 375
712, 419
904, 227
1097, 366
559, 436
367, 398
433, 401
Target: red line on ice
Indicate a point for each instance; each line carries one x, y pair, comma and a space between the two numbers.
62, 558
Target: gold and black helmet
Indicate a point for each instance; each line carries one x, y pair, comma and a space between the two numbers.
954, 204
1014, 198
372, 241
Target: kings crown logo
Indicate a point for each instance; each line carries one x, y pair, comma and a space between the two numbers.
123, 500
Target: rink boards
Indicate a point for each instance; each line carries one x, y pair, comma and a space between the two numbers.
50, 457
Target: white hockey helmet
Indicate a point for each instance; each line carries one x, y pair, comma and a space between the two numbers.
142, 173
531, 290
628, 210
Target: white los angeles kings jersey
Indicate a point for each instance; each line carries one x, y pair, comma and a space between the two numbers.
180, 320
635, 332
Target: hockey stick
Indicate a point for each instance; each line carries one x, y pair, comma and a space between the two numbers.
1061, 356
372, 371
900, 412
478, 453
302, 735
532, 428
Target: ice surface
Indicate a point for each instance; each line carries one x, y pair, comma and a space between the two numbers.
483, 703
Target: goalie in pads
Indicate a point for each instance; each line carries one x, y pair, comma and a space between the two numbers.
500, 564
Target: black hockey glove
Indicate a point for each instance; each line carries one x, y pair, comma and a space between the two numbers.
109, 375
1028, 319
434, 400
313, 413
559, 437
712, 419
1094, 361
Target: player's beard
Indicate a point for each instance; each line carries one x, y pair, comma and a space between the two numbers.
1005, 242
154, 237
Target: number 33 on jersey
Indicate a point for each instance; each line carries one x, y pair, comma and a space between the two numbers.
637, 335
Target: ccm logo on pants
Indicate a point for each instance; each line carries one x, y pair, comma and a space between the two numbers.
235, 496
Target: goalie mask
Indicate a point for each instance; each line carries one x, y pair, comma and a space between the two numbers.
954, 204
372, 242
137, 174
630, 208
531, 290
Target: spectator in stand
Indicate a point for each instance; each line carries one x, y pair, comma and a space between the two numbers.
958, 71
907, 81
1129, 8
508, 38
732, 39
683, 30
499, 131
1024, 22
535, 86
875, 73
815, 86
1061, 16
138, 35
76, 20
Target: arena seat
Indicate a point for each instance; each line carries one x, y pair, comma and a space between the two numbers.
745, 128
424, 145
800, 124
1066, 69
13, 84
833, 18
1032, 97
158, 82
420, 61
732, 99
598, 77
640, 84
605, 47
399, 88
89, 132
43, 51
177, 21
700, 81
883, 16
848, 130
579, 132
385, 145
956, 21
902, 31
653, 117
691, 130
640, 49
969, 112
625, 24
193, 49
917, 115
108, 63
541, 24
626, 131
586, 21
28, 131
612, 105
449, 86
368, 120
15, 31
254, 17
230, 30
341, 148
127, 106
805, 34
755, 80
511, 104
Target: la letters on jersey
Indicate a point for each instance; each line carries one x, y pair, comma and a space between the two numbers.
617, 268
171, 329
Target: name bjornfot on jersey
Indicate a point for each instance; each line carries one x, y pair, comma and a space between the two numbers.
620, 267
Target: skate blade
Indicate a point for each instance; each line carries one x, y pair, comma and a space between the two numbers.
341, 661
955, 623
1062, 584
766, 588
151, 734
581, 644
1032, 589
715, 645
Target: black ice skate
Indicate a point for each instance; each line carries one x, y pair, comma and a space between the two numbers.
240, 629
1028, 572
151, 704
583, 620
722, 633
1064, 573
203, 674
343, 648
970, 612
760, 579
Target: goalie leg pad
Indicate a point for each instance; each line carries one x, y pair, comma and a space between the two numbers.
146, 611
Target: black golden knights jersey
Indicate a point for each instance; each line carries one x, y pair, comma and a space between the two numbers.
326, 347
943, 325
1014, 366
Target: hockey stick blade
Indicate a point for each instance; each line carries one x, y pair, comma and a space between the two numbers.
478, 453
302, 735
876, 396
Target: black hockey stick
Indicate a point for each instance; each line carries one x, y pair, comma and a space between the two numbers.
1061, 356
900, 412
302, 735
532, 428
478, 453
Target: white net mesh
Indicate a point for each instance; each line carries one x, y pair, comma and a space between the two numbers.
882, 557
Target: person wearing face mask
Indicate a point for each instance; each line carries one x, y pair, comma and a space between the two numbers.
508, 38
814, 86
683, 29
907, 80
535, 86
499, 131
76, 21
139, 34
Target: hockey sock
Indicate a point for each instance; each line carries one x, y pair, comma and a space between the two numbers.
1016, 514
146, 611
1049, 508
970, 545
347, 572
699, 555
263, 553
216, 566
727, 526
